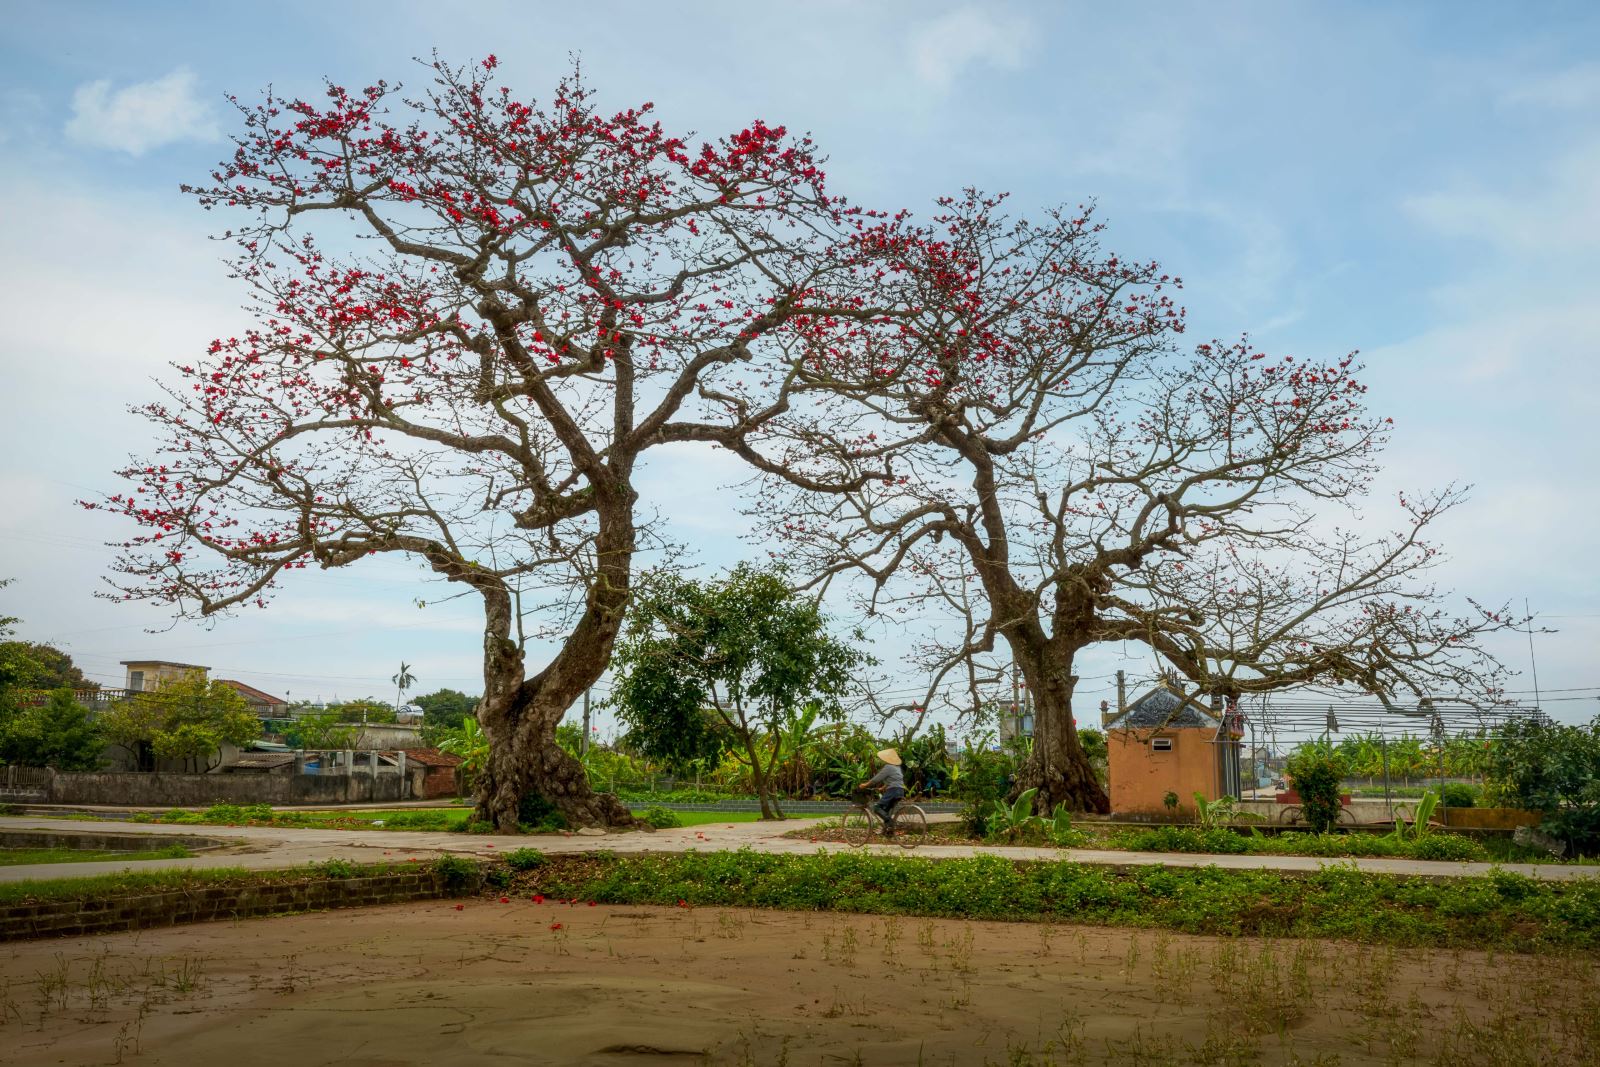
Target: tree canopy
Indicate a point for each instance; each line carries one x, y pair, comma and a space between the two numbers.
732, 664
473, 314
186, 719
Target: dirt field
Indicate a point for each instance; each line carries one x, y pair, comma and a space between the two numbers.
556, 984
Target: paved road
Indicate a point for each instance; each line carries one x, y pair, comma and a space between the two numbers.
264, 847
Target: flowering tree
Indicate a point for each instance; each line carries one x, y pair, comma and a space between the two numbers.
1063, 474
472, 316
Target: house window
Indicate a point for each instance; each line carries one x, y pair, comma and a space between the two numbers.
136, 681
1161, 744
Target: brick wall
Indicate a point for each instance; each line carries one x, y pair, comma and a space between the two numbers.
79, 918
201, 790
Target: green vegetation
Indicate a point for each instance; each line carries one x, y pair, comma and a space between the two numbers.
185, 719
20, 857
58, 733
1552, 768
660, 818
1497, 911
443, 711
1317, 774
738, 666
1225, 841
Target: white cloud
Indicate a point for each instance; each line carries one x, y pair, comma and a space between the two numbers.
1557, 209
945, 47
141, 116
1571, 88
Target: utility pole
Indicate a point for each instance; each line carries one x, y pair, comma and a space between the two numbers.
583, 745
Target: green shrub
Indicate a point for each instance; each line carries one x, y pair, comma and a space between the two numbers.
1443, 846
458, 873
498, 877
1181, 839
478, 826
523, 859
335, 868
536, 815
661, 818
975, 818
1317, 774
1459, 795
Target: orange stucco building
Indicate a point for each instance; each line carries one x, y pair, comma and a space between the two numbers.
1164, 742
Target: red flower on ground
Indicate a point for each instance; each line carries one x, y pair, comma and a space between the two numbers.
460, 906
505, 900
537, 898
555, 926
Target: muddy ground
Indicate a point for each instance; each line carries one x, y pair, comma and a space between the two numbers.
557, 984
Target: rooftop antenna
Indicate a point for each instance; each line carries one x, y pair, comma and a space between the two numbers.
1531, 660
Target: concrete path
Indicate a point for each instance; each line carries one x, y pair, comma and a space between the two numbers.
265, 847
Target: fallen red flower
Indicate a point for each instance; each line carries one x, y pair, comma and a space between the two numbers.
555, 926
505, 900
460, 906
537, 898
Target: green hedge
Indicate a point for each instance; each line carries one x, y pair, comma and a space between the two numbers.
1501, 909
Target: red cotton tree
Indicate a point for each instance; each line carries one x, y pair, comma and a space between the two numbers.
472, 316
1064, 475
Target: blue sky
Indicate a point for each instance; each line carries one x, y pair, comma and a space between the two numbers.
1422, 184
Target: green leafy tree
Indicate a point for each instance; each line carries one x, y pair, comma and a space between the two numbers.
1552, 768
57, 734
363, 710
325, 730
744, 648
44, 666
187, 718
443, 711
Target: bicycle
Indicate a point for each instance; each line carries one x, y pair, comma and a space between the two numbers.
907, 825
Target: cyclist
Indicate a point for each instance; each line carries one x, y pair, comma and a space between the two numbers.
893, 782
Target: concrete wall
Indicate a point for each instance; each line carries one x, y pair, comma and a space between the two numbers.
101, 915
386, 737
202, 790
1141, 777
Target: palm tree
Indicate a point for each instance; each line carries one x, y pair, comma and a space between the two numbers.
402, 681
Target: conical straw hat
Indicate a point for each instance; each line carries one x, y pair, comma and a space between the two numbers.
889, 755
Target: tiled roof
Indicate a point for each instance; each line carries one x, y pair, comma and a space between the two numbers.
250, 692
432, 757
1163, 707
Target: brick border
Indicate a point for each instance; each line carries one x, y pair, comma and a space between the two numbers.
203, 903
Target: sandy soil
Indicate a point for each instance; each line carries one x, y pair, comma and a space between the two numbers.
556, 984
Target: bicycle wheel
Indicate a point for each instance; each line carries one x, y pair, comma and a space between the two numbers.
910, 826
857, 826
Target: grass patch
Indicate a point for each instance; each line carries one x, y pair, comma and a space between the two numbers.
18, 857
708, 818
1500, 910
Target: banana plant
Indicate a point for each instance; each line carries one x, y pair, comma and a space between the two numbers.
470, 743
1418, 828
1010, 820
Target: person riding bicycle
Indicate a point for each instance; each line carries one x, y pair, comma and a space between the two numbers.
893, 782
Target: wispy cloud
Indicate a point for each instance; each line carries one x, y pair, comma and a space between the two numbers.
142, 116
1574, 87
943, 49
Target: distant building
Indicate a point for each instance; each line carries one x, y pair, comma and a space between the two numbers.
1168, 741
148, 675
265, 705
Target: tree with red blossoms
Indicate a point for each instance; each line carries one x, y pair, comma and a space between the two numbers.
1064, 475
472, 316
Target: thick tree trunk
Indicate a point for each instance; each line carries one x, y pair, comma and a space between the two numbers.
1059, 767
519, 715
